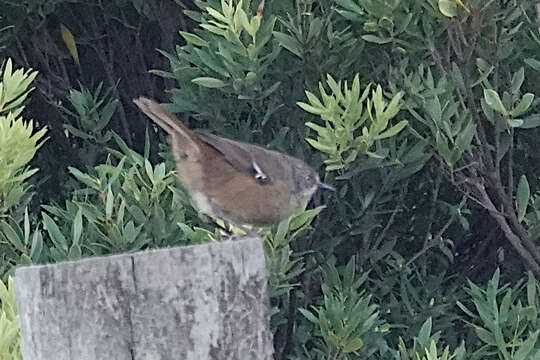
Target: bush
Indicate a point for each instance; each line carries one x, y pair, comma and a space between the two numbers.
17, 143
9, 323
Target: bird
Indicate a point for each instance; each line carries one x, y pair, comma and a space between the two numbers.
233, 181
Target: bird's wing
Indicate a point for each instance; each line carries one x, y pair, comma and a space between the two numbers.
237, 154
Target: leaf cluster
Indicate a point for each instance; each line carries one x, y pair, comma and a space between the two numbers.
18, 141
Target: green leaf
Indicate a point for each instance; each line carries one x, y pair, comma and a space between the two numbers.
523, 105
209, 82
458, 76
192, 14
535, 64
309, 315
353, 345
324, 148
109, 203
305, 217
54, 233
11, 235
465, 309
515, 123
464, 138
517, 80
522, 197
210, 59
37, 246
217, 15
310, 109
530, 122
149, 170
505, 306
484, 66
376, 39
394, 130
26, 226
77, 227
485, 335
314, 100
289, 43
531, 289
84, 178
494, 101
322, 131
527, 346
241, 21
425, 332
350, 5
193, 39
282, 230
75, 252
448, 8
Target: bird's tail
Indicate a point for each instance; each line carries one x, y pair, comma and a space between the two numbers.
180, 134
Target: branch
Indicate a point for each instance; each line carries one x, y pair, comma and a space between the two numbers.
508, 232
510, 214
399, 204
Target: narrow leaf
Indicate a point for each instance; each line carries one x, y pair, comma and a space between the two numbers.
522, 197
54, 233
209, 82
109, 203
376, 39
77, 227
69, 41
394, 130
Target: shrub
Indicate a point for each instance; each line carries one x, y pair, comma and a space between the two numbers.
9, 323
18, 143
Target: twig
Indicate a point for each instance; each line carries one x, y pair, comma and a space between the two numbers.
509, 233
392, 217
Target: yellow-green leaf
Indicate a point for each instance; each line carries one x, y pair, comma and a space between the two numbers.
448, 8
69, 40
310, 109
353, 345
209, 82
394, 130
193, 39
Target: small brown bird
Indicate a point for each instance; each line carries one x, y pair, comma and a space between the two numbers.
241, 183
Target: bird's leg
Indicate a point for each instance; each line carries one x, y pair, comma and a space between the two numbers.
228, 228
249, 232
211, 221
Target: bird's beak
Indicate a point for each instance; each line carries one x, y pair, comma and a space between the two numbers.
326, 186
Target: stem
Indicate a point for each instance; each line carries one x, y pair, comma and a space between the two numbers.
290, 325
434, 199
511, 166
382, 235
510, 215
508, 232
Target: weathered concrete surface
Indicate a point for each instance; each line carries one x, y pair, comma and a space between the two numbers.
195, 302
